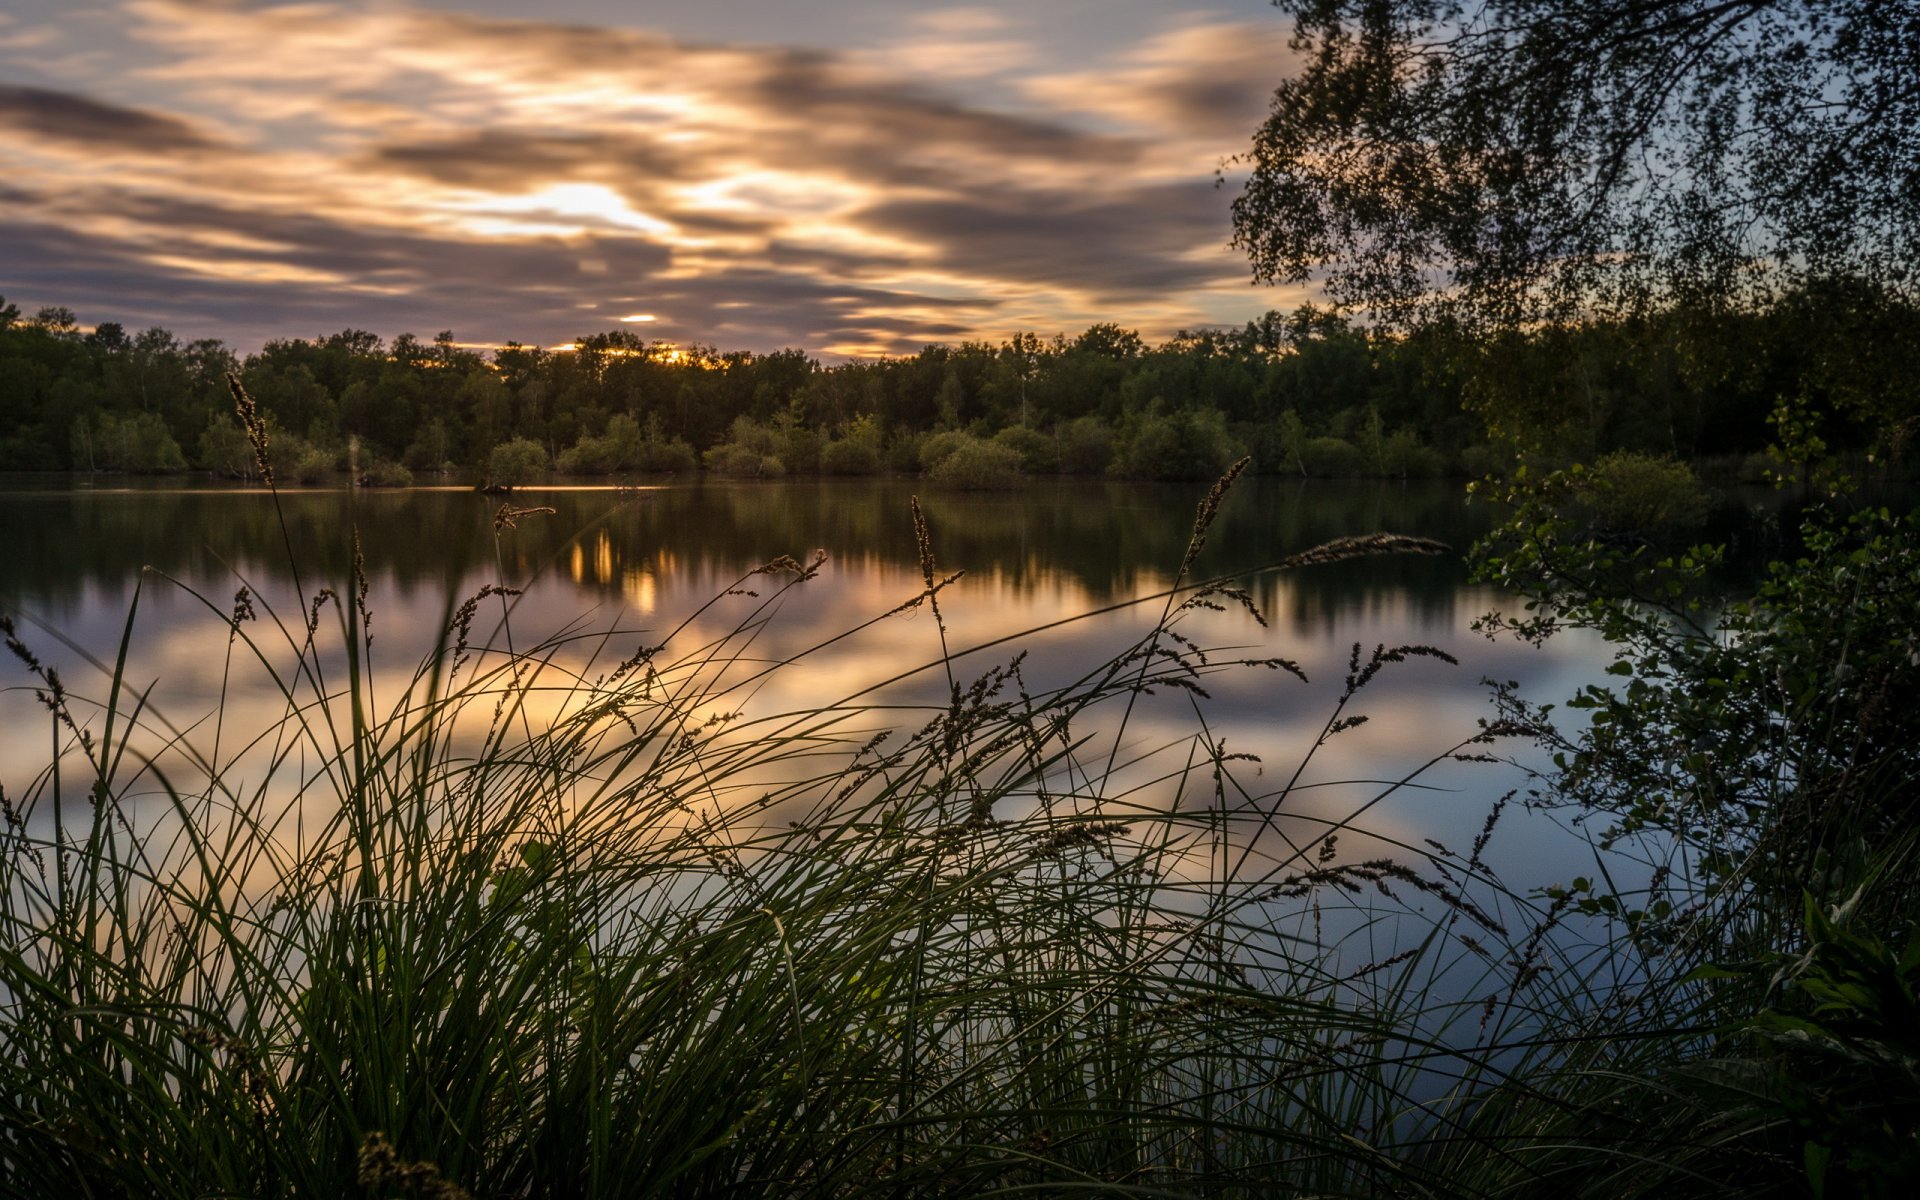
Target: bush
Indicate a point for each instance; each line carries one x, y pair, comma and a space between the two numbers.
516, 462
977, 465
1039, 454
313, 466
743, 462
935, 448
139, 443
1332, 458
1180, 445
855, 452
1643, 496
1480, 461
903, 452
672, 456
1085, 446
224, 449
625, 447
386, 474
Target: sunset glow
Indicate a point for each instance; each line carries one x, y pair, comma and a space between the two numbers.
863, 181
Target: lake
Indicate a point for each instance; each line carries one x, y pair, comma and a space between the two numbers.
652, 564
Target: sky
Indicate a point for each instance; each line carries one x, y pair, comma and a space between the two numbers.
851, 177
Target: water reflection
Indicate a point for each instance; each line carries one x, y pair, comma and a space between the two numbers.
1108, 540
646, 564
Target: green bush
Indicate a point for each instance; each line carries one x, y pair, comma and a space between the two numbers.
625, 446
855, 452
903, 452
224, 449
1085, 446
1332, 458
977, 465
516, 462
1178, 445
313, 466
935, 448
386, 474
1644, 496
1478, 462
743, 462
1039, 454
138, 443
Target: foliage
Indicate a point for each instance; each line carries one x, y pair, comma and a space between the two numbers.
1552, 156
137, 443
1330, 458
625, 446
1039, 454
1759, 764
386, 474
969, 462
513, 463
857, 451
1641, 495
1826, 360
224, 450
1176, 445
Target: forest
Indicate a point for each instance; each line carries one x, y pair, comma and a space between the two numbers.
1309, 393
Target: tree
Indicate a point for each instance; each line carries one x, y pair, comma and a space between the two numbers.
1509, 160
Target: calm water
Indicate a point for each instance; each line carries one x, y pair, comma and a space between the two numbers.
642, 562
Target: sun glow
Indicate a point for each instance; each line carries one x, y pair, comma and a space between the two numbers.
572, 208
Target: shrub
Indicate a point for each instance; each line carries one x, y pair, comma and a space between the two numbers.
977, 465
1483, 460
139, 443
671, 456
516, 462
1644, 496
935, 448
313, 466
903, 452
625, 447
855, 452
743, 462
1085, 446
224, 449
1039, 454
1332, 458
1179, 445
386, 474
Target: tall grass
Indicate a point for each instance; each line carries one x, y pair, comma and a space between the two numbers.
573, 919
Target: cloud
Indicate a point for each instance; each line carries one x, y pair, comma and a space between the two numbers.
65, 117
1208, 84
955, 43
1116, 245
409, 168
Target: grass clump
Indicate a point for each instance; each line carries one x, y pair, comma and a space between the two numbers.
573, 920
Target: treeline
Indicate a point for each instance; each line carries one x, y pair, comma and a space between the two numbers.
1306, 393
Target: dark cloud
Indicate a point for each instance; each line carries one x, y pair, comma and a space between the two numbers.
67, 117
1119, 244
838, 106
530, 291
508, 158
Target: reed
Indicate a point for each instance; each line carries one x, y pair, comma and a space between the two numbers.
418, 941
